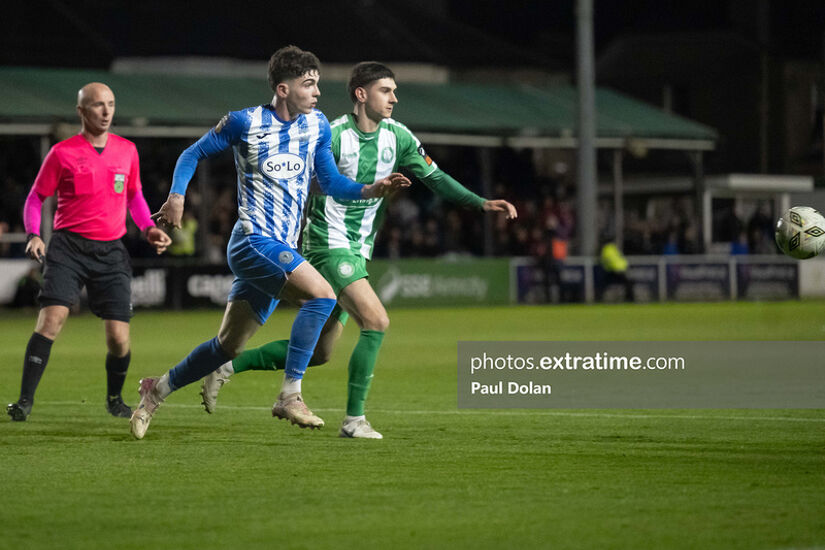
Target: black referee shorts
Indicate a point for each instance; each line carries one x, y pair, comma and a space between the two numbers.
103, 266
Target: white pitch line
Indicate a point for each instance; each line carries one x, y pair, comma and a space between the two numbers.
488, 412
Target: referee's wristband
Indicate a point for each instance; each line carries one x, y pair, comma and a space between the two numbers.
30, 236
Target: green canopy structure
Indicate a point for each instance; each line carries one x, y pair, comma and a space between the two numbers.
518, 115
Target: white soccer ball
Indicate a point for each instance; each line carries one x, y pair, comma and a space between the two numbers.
800, 232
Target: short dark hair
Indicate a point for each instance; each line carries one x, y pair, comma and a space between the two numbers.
366, 72
291, 62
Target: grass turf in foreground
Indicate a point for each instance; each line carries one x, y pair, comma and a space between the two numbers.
73, 478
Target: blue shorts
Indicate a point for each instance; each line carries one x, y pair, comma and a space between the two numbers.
260, 265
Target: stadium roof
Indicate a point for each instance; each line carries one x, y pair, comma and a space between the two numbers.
459, 114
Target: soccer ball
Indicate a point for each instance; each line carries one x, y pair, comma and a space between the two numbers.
800, 232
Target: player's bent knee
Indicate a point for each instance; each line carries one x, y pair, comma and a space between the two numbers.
50, 323
379, 322
233, 346
232, 349
325, 293
383, 323
118, 347
323, 289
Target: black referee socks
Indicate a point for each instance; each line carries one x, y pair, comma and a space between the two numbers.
34, 363
116, 368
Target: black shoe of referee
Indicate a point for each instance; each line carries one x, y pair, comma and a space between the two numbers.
116, 407
20, 410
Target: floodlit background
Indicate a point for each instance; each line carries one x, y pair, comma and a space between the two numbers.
707, 124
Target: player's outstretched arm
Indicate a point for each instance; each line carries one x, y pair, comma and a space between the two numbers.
500, 205
386, 186
159, 240
443, 185
447, 188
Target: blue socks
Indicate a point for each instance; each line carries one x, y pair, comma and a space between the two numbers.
305, 332
201, 361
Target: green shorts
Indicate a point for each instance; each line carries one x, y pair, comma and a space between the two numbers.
340, 267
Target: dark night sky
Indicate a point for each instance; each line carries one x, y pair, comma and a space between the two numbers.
797, 27
90, 33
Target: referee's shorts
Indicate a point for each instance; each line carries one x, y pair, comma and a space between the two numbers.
103, 267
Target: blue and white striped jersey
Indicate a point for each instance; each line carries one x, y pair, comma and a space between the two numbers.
275, 160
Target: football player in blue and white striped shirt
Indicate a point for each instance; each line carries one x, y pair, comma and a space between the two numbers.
277, 148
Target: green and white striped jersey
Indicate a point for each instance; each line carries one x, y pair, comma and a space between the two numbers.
365, 158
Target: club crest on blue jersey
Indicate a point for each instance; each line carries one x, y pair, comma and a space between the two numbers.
286, 257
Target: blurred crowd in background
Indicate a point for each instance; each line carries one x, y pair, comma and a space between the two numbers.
417, 222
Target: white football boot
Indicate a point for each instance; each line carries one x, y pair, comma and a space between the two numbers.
212, 384
292, 407
359, 428
150, 400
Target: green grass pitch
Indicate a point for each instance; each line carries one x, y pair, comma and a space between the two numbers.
72, 477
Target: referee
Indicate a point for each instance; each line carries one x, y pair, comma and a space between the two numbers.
96, 176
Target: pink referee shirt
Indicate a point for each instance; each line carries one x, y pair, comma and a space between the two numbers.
93, 189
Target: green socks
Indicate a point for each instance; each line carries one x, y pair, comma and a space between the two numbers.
361, 366
271, 356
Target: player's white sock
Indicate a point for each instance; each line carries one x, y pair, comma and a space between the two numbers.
291, 385
163, 387
226, 369
348, 418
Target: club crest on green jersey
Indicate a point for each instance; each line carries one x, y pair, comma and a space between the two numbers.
387, 154
120, 182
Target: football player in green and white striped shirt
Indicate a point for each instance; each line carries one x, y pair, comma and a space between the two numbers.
339, 236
